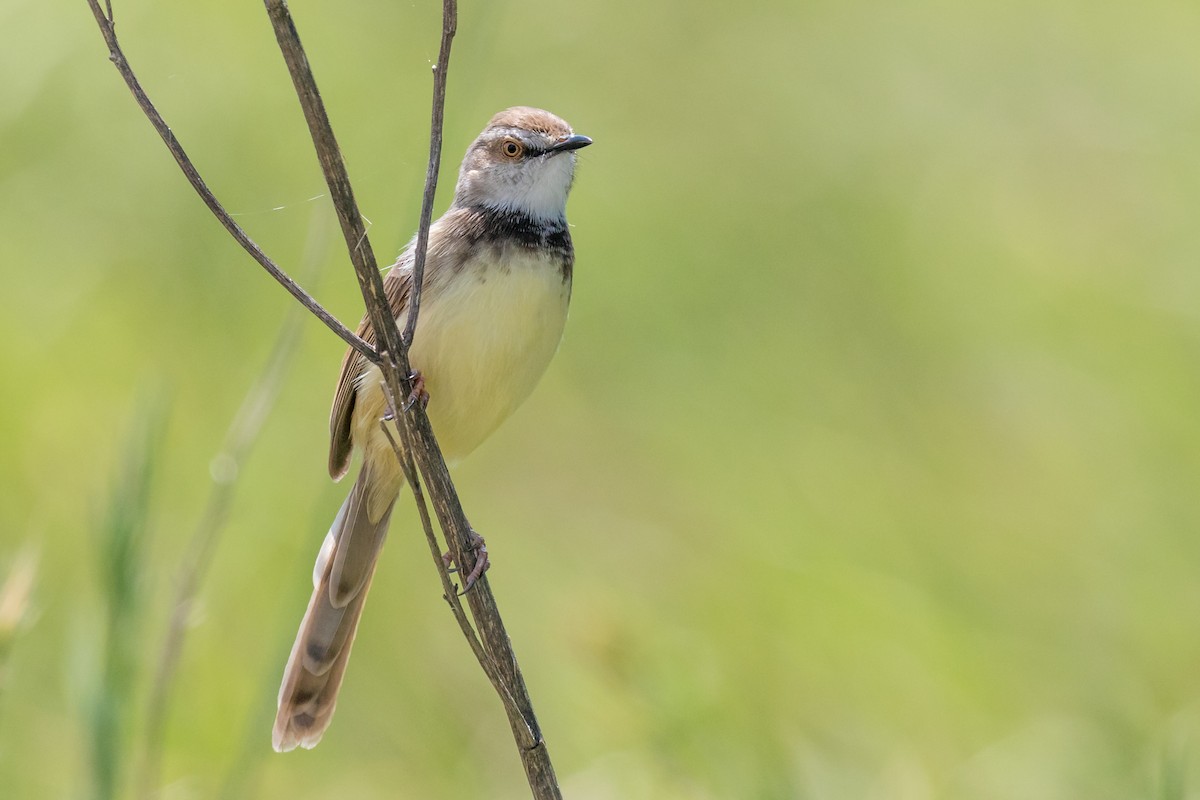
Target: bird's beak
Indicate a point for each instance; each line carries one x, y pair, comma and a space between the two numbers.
573, 142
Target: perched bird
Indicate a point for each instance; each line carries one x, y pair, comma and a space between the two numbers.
493, 305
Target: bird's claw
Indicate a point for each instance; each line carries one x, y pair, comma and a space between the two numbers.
482, 562
418, 393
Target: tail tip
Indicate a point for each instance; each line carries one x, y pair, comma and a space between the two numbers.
293, 732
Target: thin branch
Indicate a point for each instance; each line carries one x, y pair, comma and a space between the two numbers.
449, 590
437, 117
498, 660
334, 169
117, 56
416, 435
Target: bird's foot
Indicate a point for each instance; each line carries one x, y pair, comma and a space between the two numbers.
418, 393
482, 562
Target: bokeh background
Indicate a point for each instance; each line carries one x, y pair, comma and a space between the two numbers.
869, 467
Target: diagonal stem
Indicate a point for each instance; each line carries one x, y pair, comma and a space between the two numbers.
497, 658
117, 56
416, 435
437, 117
336, 178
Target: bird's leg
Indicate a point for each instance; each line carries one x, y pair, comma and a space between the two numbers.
482, 562
418, 393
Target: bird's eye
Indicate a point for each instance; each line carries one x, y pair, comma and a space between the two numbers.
512, 148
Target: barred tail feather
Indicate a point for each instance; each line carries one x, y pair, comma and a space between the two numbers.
341, 580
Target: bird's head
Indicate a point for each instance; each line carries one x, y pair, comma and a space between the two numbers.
523, 162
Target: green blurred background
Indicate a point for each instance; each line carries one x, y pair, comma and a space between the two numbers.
869, 467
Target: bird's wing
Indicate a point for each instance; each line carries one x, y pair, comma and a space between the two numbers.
396, 286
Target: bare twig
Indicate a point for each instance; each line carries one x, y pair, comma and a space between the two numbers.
497, 658
117, 56
416, 435
437, 116
334, 169
450, 591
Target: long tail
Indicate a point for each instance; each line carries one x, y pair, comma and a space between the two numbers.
341, 578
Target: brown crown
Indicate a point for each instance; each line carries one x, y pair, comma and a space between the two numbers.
531, 119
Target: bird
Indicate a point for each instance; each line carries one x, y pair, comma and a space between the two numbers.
494, 298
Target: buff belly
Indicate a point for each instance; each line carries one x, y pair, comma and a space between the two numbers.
483, 341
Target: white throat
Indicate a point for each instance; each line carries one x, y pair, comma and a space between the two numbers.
538, 190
